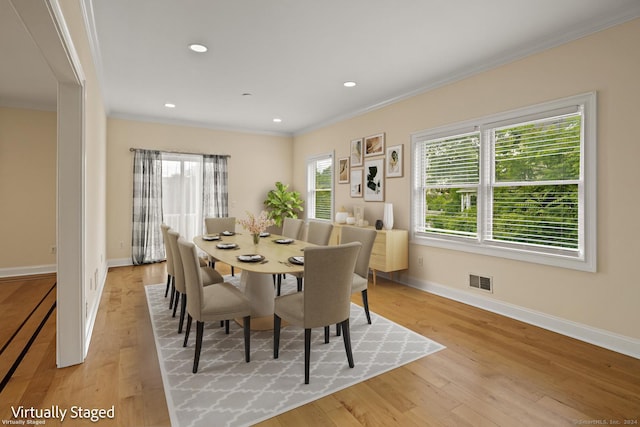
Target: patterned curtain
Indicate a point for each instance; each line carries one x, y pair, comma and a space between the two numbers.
215, 189
146, 241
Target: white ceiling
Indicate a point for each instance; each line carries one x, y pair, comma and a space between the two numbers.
293, 56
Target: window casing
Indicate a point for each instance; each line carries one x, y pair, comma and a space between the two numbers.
519, 185
319, 203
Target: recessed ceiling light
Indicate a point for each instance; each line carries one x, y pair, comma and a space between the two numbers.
277, 120
349, 84
170, 105
199, 48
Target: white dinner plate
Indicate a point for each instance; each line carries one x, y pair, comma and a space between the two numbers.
226, 245
250, 258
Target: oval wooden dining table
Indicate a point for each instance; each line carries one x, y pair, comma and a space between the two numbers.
256, 277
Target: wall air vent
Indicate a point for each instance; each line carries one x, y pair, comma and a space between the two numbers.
481, 282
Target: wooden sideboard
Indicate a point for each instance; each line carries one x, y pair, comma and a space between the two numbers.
390, 249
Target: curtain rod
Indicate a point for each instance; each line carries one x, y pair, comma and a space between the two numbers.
181, 152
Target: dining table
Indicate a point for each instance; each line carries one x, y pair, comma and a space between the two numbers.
258, 262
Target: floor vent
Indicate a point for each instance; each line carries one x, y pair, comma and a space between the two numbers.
481, 282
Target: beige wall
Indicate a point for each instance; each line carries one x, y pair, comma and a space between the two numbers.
606, 62
257, 161
27, 189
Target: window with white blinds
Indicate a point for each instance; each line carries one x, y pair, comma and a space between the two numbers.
519, 184
319, 203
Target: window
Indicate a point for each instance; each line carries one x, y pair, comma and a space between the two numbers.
320, 187
182, 193
519, 185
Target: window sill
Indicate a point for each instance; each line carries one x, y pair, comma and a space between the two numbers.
581, 263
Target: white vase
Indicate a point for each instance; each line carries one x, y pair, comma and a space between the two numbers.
387, 219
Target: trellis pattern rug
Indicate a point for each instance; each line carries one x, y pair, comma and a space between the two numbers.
226, 391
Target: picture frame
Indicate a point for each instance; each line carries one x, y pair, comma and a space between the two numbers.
373, 185
343, 170
394, 161
374, 145
355, 150
356, 182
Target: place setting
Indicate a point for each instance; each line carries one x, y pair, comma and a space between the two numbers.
284, 241
255, 258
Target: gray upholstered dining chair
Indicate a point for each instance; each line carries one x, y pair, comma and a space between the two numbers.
218, 225
169, 256
220, 302
366, 236
208, 276
292, 228
328, 272
319, 234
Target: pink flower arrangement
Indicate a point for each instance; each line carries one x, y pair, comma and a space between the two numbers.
256, 224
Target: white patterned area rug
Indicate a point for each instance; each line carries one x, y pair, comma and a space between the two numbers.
226, 391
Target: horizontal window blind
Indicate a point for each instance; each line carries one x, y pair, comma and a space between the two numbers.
450, 180
320, 188
541, 161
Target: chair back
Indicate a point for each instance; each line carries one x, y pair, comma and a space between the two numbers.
167, 249
192, 278
291, 227
328, 273
319, 233
366, 236
218, 225
178, 269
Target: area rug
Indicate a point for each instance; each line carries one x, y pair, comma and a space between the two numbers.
226, 391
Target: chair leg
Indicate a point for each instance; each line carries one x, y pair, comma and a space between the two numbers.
365, 304
299, 280
176, 301
166, 291
307, 354
173, 293
326, 334
346, 336
187, 330
276, 335
199, 333
226, 327
233, 272
247, 338
279, 285
338, 329
183, 310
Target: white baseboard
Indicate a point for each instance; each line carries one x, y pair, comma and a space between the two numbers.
27, 271
602, 338
119, 262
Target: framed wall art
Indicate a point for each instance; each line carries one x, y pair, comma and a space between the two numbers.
356, 152
374, 145
356, 182
394, 161
374, 180
343, 170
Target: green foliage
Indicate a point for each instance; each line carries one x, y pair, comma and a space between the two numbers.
282, 203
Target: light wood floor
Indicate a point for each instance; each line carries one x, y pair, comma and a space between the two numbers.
494, 372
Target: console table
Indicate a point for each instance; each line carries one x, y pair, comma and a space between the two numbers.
390, 249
